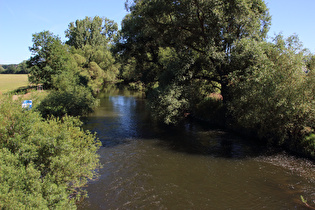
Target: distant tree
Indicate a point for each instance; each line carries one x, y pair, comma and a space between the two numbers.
9, 69
22, 68
91, 41
94, 32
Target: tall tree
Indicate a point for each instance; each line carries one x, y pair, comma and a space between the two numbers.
50, 57
95, 32
202, 33
91, 40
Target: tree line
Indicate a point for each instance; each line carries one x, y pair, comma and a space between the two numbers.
208, 59
20, 68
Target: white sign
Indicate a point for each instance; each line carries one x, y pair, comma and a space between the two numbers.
27, 104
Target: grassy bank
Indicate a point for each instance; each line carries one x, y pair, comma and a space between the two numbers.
9, 82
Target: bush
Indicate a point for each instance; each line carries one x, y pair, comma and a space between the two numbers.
44, 163
275, 98
74, 101
309, 145
168, 104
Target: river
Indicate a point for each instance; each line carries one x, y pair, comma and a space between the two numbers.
193, 166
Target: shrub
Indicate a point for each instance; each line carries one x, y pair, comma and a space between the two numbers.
43, 163
275, 97
74, 101
309, 144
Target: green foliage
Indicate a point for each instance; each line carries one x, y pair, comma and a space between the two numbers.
192, 49
44, 163
97, 64
50, 57
211, 109
188, 44
73, 101
136, 86
275, 97
14, 69
309, 144
87, 53
168, 105
94, 32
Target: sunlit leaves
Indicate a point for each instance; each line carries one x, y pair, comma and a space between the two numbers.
50, 57
43, 162
91, 31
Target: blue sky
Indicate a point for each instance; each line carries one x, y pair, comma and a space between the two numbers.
19, 19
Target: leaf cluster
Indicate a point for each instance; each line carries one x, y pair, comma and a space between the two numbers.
275, 98
44, 163
188, 44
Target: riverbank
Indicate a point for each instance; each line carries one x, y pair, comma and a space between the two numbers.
211, 111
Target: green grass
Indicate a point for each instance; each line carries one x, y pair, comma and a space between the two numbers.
10, 82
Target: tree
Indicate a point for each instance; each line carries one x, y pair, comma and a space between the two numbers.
94, 32
274, 99
22, 68
50, 57
202, 34
72, 101
91, 41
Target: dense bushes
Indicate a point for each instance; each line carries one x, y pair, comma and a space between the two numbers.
43, 162
275, 98
74, 101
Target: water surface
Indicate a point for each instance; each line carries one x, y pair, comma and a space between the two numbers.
193, 166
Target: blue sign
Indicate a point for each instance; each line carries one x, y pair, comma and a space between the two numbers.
27, 104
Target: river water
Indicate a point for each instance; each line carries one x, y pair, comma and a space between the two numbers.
193, 166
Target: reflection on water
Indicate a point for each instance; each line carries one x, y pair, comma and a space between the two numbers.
148, 166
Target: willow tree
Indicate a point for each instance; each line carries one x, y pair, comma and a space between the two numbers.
91, 40
95, 31
201, 34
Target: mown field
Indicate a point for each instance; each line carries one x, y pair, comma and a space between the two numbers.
9, 82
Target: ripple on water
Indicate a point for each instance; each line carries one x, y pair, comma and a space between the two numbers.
197, 167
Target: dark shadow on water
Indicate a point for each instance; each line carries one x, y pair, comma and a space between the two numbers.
122, 119
200, 139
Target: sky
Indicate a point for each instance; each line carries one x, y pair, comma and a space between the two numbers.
19, 19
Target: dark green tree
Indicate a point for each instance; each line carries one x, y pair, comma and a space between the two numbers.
202, 34
22, 68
